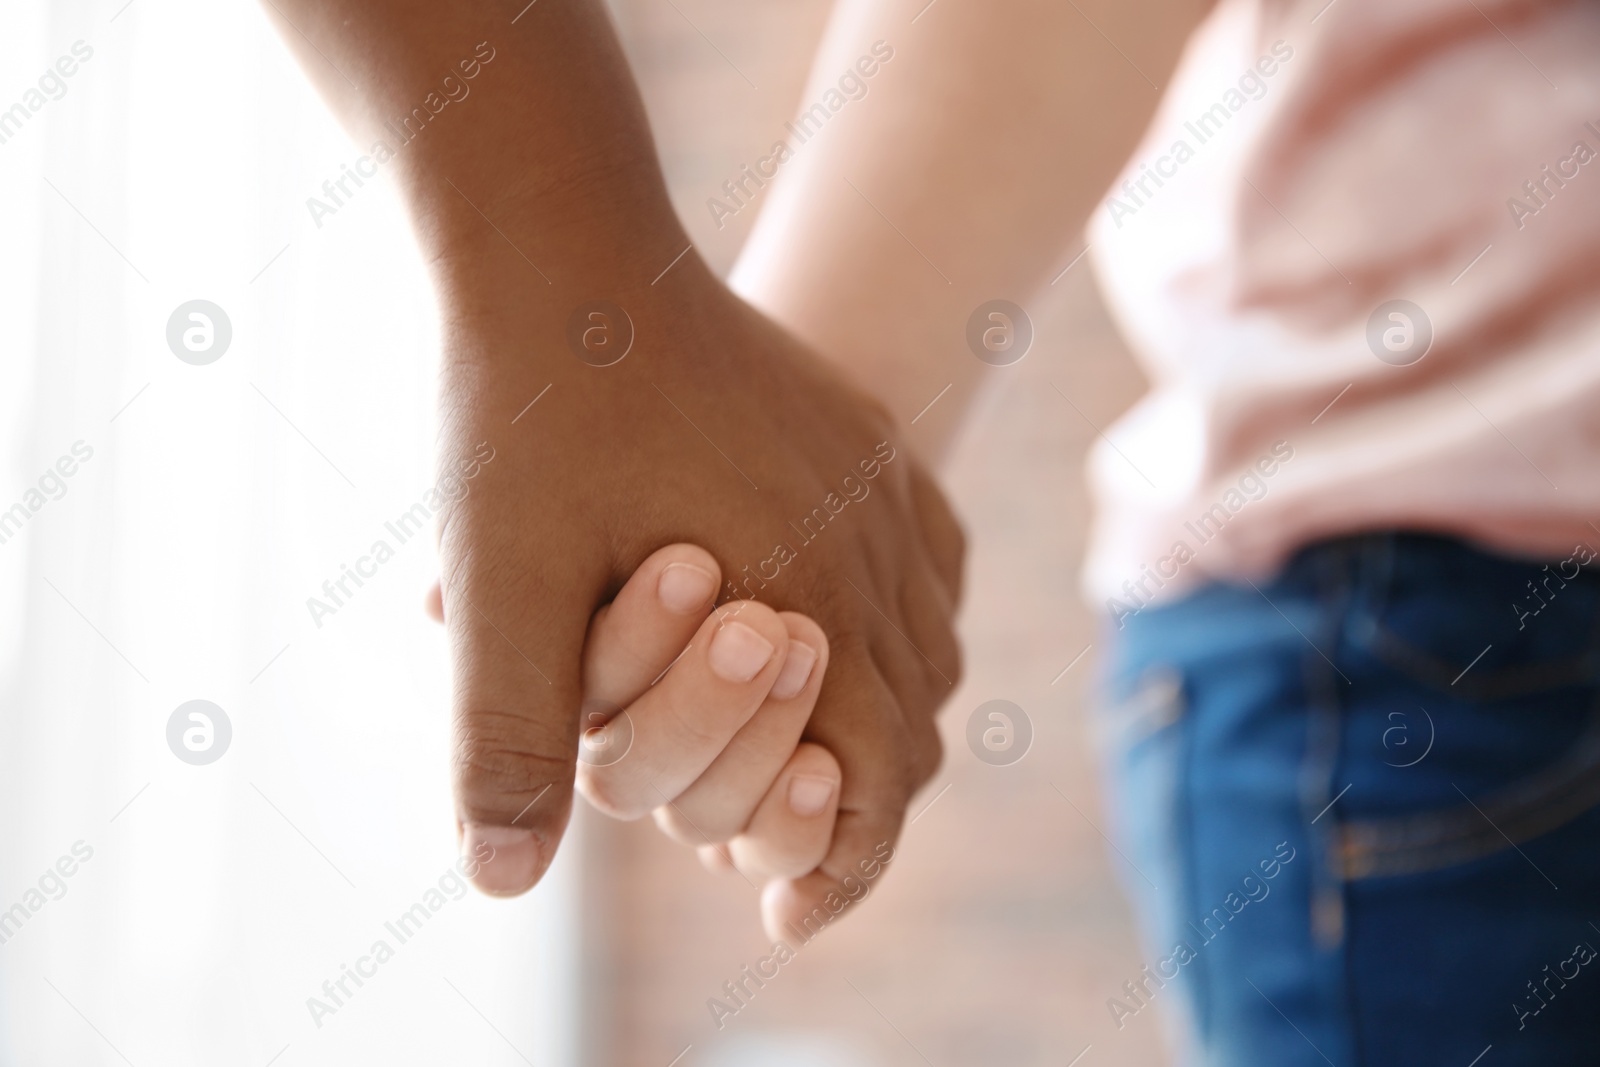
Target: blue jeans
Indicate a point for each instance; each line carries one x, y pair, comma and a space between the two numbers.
1359, 810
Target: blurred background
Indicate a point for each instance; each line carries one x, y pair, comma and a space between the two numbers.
175, 563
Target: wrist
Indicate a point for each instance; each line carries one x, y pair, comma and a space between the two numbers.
593, 237
592, 327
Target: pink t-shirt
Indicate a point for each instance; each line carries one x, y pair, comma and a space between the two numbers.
1358, 255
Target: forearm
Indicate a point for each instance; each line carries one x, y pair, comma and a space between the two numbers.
519, 145
964, 175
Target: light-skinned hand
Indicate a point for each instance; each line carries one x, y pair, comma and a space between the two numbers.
696, 715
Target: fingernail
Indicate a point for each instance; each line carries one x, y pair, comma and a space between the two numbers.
809, 795
796, 670
684, 588
738, 653
501, 860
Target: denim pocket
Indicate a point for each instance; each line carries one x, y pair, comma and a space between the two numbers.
1475, 625
1472, 828
1142, 731
1139, 710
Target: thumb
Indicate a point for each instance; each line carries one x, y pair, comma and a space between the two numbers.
516, 614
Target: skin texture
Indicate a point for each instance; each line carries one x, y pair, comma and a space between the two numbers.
719, 760
987, 140
718, 428
541, 192
519, 595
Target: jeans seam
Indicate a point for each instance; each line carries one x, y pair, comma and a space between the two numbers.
1324, 750
1182, 822
1505, 683
1443, 838
1401, 655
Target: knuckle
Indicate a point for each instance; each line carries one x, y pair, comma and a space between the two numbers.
927, 755
957, 661
698, 722
771, 856
498, 775
695, 728
958, 539
811, 758
714, 827
609, 792
672, 823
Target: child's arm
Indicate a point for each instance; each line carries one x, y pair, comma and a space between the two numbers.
987, 134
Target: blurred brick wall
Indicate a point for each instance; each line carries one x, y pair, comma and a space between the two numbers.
1001, 930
